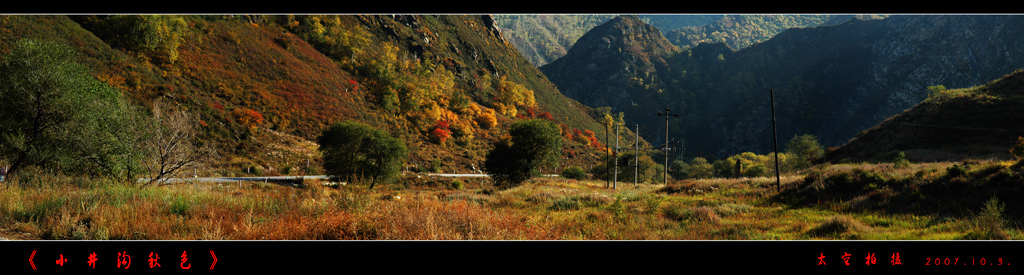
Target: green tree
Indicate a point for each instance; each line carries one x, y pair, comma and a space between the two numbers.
806, 149
699, 168
534, 144
937, 92
54, 114
356, 151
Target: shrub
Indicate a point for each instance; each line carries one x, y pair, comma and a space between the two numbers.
1018, 149
900, 161
574, 172
988, 225
457, 184
956, 170
357, 151
756, 171
179, 206
435, 166
838, 226
705, 214
651, 202
675, 212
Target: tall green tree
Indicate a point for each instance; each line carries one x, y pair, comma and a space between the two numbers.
699, 168
806, 148
356, 151
534, 144
56, 115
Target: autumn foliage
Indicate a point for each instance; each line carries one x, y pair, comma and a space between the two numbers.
248, 117
441, 132
512, 96
486, 119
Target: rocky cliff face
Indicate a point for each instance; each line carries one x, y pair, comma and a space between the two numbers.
613, 65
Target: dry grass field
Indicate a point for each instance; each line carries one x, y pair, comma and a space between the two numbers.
826, 202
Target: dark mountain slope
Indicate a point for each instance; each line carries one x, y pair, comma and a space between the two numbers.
977, 122
617, 64
829, 81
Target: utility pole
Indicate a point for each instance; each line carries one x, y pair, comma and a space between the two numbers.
667, 114
616, 181
775, 134
636, 153
608, 162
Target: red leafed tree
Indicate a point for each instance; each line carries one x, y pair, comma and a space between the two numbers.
441, 132
546, 115
589, 135
248, 117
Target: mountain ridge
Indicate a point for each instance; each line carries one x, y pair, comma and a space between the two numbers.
829, 81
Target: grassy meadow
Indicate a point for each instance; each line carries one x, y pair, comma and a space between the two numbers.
926, 201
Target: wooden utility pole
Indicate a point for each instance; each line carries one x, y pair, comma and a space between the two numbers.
608, 162
616, 155
775, 135
667, 114
636, 154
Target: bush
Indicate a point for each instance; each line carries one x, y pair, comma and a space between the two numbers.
989, 224
675, 212
956, 170
457, 184
534, 144
353, 150
1018, 149
574, 172
839, 226
756, 171
900, 161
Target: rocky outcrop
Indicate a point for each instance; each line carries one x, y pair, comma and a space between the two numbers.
612, 65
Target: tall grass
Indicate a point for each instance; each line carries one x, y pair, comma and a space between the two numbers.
56, 207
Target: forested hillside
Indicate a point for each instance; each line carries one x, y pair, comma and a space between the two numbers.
265, 86
741, 31
542, 38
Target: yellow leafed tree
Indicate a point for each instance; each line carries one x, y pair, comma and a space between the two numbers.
511, 96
